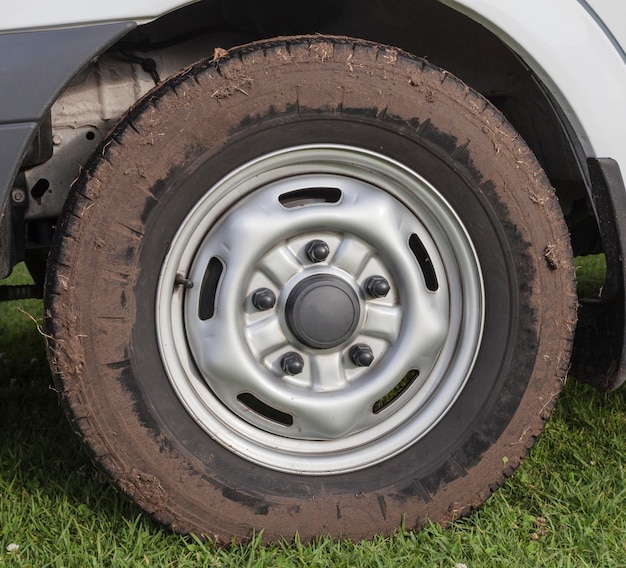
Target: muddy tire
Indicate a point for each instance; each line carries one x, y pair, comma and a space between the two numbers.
317, 286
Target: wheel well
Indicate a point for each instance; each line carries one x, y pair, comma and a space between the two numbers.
426, 29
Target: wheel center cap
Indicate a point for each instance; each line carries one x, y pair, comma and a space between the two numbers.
323, 311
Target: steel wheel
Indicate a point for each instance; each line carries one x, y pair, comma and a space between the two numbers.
373, 371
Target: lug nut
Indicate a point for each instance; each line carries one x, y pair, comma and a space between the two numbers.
263, 299
377, 286
317, 250
361, 355
292, 363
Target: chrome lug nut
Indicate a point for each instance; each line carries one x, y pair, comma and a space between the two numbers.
361, 355
377, 286
292, 363
263, 299
317, 251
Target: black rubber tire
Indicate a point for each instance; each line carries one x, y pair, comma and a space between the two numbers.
189, 133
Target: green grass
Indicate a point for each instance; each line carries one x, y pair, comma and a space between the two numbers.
563, 507
590, 273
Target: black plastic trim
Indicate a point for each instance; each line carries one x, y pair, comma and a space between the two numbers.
36, 65
599, 356
14, 140
34, 68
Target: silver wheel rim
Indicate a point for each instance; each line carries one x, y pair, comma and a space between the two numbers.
243, 302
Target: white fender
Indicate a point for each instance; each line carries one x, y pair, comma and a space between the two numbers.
573, 53
16, 15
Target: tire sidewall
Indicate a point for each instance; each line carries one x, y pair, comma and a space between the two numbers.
158, 164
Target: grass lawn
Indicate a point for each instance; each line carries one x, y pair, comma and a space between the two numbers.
563, 507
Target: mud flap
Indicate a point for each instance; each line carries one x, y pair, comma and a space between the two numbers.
599, 356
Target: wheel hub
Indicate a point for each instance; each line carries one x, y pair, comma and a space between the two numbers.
323, 311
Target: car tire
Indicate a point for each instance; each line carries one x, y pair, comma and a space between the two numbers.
315, 286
